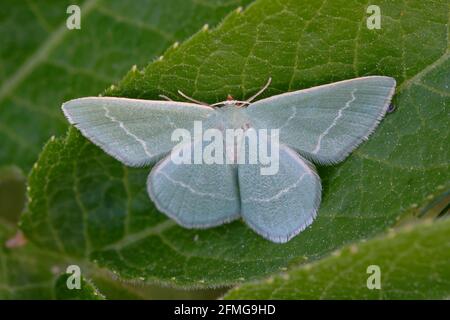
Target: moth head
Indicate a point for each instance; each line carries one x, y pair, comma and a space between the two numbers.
230, 101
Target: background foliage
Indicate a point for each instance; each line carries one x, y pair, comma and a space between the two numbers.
85, 208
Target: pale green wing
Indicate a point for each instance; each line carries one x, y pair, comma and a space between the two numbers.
195, 195
326, 123
281, 205
135, 132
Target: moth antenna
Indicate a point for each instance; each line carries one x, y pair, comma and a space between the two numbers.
192, 99
165, 97
260, 91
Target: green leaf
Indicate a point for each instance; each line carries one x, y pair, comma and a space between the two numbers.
86, 204
87, 290
44, 64
26, 272
113, 289
413, 263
